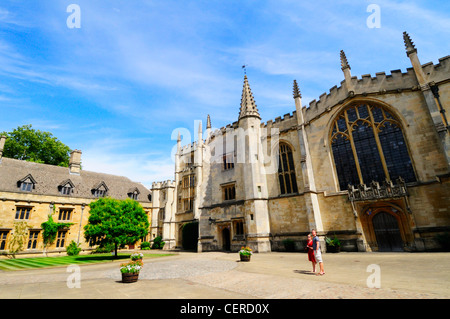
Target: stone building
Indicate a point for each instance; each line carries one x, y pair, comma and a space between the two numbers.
30, 192
368, 163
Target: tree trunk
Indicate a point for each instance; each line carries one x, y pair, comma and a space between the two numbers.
115, 250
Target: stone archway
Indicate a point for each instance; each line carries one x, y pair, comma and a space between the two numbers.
386, 226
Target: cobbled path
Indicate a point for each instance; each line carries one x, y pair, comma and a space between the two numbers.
223, 276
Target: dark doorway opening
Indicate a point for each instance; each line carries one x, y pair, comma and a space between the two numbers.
190, 236
226, 239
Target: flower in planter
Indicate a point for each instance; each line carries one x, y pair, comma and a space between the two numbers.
132, 267
245, 251
137, 256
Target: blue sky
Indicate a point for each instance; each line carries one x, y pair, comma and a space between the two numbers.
119, 86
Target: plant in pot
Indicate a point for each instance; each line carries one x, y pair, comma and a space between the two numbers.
130, 271
245, 253
137, 257
333, 244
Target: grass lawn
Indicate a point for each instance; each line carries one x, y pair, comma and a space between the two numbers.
44, 262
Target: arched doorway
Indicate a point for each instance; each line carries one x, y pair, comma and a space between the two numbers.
387, 232
190, 236
226, 239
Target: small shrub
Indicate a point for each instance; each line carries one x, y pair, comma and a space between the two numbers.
145, 245
73, 249
158, 243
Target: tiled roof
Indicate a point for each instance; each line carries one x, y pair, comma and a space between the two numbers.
49, 178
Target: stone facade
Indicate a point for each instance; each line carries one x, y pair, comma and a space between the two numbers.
60, 192
231, 184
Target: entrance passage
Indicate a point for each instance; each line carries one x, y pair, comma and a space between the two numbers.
226, 239
387, 232
190, 236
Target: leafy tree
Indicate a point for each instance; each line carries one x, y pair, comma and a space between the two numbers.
18, 238
120, 222
26, 143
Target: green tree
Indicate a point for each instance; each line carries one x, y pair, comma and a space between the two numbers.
26, 143
18, 238
118, 222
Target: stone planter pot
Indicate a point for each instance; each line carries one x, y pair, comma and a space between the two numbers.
245, 258
333, 249
129, 278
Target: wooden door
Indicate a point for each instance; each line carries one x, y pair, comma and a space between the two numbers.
387, 232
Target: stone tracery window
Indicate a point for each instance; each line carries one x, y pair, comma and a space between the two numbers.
368, 145
286, 170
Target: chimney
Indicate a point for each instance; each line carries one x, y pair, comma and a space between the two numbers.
2, 145
75, 162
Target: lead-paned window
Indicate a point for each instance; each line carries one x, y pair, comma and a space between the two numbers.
23, 213
368, 145
61, 238
32, 239
286, 170
3, 238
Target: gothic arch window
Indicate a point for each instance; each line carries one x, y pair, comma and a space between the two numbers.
286, 170
368, 145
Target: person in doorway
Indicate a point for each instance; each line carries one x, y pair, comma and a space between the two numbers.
317, 252
311, 258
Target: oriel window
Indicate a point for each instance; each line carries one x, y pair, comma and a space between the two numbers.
188, 192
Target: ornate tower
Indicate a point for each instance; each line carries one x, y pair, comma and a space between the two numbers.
430, 92
253, 173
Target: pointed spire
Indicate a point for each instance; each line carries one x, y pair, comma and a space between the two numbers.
409, 45
344, 62
208, 122
296, 90
248, 105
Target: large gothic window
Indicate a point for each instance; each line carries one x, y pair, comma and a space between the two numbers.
368, 145
286, 170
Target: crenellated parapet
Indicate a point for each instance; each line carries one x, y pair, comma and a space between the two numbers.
285, 122
382, 83
163, 185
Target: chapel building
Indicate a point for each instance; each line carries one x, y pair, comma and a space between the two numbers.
367, 162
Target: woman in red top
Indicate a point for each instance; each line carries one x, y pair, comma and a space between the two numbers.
311, 257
